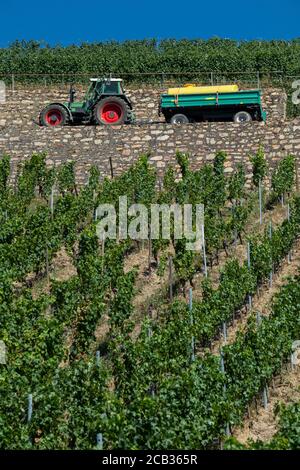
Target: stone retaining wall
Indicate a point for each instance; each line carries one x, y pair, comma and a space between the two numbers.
24, 104
88, 145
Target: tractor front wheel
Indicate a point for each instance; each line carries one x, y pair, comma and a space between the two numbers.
54, 115
111, 110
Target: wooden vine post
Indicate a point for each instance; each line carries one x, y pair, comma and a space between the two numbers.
99, 440
170, 278
111, 168
29, 408
271, 272
204, 250
191, 322
149, 250
289, 219
249, 267
260, 201
222, 368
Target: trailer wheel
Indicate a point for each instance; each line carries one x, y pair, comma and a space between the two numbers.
179, 119
242, 116
111, 110
54, 115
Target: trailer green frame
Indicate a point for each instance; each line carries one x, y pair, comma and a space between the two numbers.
207, 106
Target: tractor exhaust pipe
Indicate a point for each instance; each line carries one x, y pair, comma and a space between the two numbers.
72, 93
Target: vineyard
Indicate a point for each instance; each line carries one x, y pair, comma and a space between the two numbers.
143, 344
249, 63
169, 56
287, 437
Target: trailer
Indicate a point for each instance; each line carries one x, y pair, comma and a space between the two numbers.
225, 102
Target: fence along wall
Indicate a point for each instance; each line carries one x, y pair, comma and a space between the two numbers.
20, 136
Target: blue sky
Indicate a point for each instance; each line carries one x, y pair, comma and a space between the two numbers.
68, 22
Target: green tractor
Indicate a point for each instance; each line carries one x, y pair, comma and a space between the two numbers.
105, 102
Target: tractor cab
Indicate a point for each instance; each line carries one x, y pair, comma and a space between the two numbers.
104, 102
107, 86
102, 86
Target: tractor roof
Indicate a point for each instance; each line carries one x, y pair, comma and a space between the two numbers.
106, 79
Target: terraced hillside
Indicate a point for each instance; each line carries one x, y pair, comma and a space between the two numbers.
114, 343
20, 136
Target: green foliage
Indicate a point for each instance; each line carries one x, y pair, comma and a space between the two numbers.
220, 304
236, 184
120, 308
4, 173
259, 166
147, 390
35, 177
150, 55
220, 185
94, 178
283, 178
266, 252
184, 262
194, 60
286, 438
138, 184
183, 162
189, 407
168, 184
66, 177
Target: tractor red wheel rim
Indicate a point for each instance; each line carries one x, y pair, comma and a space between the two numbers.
54, 117
111, 112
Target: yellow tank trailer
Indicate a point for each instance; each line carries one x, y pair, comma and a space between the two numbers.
192, 103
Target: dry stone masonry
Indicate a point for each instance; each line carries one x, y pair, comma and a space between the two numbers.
20, 136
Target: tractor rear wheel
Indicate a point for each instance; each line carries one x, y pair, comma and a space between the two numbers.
111, 110
54, 115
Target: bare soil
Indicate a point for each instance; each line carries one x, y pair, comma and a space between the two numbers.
262, 301
62, 267
151, 289
263, 424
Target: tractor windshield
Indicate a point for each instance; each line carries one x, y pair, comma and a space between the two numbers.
112, 87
